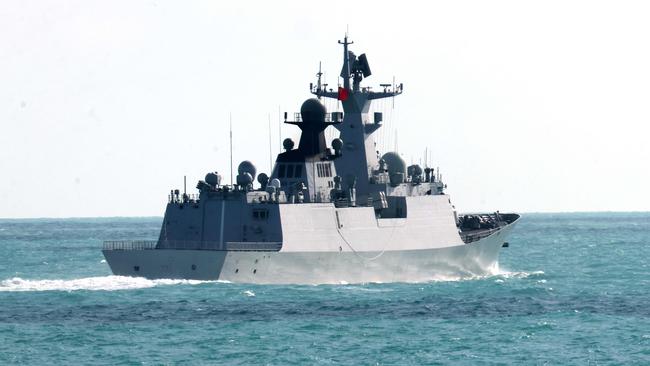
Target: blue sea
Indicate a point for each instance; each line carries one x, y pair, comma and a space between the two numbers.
573, 289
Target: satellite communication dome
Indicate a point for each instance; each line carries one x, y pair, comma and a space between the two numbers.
414, 170
263, 179
312, 110
275, 183
288, 144
244, 179
247, 167
395, 163
417, 170
213, 179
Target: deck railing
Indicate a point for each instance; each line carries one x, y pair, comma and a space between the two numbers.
244, 246
129, 245
260, 246
329, 117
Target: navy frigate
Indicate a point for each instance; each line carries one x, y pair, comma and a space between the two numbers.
343, 213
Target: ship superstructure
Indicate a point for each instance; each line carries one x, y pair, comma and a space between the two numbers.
326, 214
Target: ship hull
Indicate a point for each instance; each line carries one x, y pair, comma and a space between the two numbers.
479, 258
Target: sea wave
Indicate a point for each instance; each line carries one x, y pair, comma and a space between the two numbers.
494, 273
518, 274
115, 283
103, 283
499, 275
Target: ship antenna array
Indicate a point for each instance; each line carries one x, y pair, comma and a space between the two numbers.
426, 153
318, 85
346, 61
279, 128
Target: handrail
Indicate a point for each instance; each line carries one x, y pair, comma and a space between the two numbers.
261, 246
129, 244
183, 198
329, 117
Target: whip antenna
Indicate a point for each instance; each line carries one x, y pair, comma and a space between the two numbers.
393, 92
231, 181
270, 149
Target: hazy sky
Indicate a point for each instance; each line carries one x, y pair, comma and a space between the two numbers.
525, 106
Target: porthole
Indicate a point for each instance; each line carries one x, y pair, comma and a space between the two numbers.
237, 270
193, 267
136, 268
254, 271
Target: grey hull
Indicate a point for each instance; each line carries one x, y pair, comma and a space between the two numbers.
333, 213
479, 258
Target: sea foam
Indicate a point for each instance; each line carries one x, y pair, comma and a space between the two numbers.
103, 283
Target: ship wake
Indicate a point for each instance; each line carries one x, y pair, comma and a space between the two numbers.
101, 283
493, 273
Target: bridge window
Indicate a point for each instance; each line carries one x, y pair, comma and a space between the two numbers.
282, 170
298, 171
324, 169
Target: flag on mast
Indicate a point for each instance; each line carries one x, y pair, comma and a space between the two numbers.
343, 94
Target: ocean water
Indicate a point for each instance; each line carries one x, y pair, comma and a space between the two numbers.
573, 289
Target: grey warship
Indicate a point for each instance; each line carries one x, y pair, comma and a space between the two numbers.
344, 213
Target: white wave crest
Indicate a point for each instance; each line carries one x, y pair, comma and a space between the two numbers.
514, 274
500, 275
104, 283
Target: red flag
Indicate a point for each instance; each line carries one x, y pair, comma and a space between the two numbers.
343, 94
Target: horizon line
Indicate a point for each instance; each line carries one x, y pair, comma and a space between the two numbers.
161, 216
